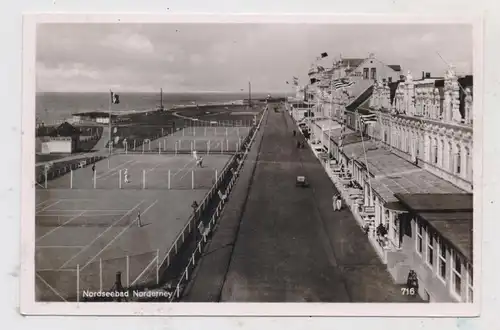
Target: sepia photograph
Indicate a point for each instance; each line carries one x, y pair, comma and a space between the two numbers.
241, 161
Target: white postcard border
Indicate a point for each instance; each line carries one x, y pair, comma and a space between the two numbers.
27, 273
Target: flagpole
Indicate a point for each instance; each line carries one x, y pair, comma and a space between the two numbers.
109, 112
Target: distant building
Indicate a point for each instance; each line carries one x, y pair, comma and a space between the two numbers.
62, 139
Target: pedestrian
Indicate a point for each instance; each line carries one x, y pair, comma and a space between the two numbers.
334, 202
139, 223
199, 162
339, 203
126, 176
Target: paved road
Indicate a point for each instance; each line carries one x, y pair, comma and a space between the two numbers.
291, 246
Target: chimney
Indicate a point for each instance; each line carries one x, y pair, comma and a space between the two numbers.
423, 74
427, 75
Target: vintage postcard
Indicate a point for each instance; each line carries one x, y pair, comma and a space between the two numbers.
251, 165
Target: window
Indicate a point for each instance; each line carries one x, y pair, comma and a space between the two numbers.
408, 141
430, 249
458, 160
373, 73
450, 157
435, 152
420, 230
442, 260
456, 275
470, 282
395, 229
468, 164
365, 73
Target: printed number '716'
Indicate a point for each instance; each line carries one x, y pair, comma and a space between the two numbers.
408, 291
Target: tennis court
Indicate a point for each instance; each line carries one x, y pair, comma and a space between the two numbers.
87, 226
83, 237
145, 171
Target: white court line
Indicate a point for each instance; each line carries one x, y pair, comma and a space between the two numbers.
118, 235
87, 215
46, 207
91, 210
98, 236
40, 204
62, 225
50, 287
192, 160
188, 171
58, 247
111, 170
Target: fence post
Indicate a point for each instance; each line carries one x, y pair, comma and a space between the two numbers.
78, 283
157, 266
143, 179
142, 146
100, 274
168, 182
192, 179
120, 179
71, 180
127, 270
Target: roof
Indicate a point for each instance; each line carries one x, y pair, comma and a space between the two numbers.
465, 81
65, 129
451, 215
393, 175
444, 202
395, 67
352, 62
360, 99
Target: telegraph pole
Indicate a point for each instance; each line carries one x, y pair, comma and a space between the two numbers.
249, 94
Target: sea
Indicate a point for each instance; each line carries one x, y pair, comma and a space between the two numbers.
52, 107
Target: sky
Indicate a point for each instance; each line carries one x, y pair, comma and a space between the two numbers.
189, 57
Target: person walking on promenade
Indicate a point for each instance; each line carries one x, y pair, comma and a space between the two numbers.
93, 170
334, 202
339, 203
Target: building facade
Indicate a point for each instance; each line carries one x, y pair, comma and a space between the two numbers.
418, 144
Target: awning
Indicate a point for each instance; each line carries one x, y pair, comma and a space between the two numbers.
396, 206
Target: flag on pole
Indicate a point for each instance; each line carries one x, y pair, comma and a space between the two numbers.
342, 83
323, 55
368, 119
115, 98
